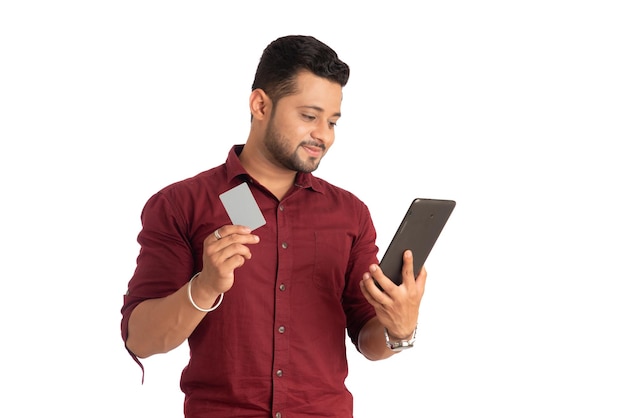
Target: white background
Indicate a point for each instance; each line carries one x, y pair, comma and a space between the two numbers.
514, 109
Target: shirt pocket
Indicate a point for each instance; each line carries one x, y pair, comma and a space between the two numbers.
332, 254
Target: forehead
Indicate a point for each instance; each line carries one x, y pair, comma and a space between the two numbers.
317, 92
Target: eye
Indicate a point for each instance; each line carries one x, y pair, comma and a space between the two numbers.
308, 117
332, 124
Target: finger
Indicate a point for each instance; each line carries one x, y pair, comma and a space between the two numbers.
367, 293
365, 289
230, 251
231, 246
234, 250
225, 261
235, 240
408, 276
234, 262
375, 275
228, 236
226, 230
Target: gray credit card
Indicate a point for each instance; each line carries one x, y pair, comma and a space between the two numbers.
241, 207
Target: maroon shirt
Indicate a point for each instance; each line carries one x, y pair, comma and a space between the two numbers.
276, 345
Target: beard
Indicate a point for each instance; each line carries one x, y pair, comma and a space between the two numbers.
281, 153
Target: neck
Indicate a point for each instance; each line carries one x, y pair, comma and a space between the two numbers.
277, 180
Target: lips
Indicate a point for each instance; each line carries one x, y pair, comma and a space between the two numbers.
313, 150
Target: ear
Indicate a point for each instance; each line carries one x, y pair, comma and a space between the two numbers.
260, 104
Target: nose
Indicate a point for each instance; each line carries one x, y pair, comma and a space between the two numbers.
323, 132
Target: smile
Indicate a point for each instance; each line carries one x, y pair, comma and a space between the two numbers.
314, 150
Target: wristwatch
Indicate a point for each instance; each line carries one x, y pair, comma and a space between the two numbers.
401, 345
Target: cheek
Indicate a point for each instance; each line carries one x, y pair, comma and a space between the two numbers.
300, 132
292, 130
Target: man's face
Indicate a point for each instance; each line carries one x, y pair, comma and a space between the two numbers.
301, 128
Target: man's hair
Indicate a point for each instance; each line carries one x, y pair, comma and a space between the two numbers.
285, 57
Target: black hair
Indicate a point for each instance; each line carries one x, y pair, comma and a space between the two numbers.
285, 57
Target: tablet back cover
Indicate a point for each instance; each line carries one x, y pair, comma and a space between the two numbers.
419, 230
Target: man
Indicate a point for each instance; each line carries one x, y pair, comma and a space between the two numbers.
265, 312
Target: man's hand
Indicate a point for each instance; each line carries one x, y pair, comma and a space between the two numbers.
397, 307
224, 251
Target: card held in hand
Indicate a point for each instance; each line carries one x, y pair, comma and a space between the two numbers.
241, 207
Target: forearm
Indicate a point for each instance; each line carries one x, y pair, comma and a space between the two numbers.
160, 325
372, 341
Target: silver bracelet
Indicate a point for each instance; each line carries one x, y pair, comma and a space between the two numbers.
221, 297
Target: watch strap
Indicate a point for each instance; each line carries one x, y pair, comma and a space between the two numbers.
402, 344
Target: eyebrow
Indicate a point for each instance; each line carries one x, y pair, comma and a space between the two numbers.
319, 109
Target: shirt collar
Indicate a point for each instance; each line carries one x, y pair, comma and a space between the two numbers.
235, 169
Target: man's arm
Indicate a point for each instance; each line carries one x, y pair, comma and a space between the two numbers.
372, 341
160, 325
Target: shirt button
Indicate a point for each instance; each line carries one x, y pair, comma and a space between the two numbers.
278, 415
279, 373
282, 287
284, 245
281, 329
281, 208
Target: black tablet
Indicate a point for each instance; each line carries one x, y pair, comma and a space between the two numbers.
418, 232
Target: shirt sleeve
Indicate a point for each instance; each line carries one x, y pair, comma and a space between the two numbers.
364, 252
165, 261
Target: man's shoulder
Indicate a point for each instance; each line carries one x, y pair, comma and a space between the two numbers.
337, 193
332, 188
207, 178
188, 194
